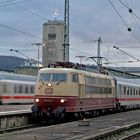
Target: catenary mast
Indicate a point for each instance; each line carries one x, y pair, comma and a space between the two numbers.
66, 31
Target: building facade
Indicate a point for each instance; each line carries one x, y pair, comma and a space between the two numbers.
53, 39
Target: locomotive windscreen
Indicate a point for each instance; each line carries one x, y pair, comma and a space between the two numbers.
52, 77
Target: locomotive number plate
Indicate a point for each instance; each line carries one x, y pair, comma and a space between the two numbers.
48, 91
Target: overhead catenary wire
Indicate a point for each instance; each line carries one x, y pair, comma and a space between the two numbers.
125, 23
130, 9
84, 36
17, 51
117, 62
6, 3
17, 30
126, 53
28, 10
132, 13
118, 13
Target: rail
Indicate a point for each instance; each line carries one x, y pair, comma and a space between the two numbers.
127, 132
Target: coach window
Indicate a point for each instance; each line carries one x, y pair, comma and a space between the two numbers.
134, 91
139, 91
75, 78
20, 88
15, 89
32, 89
127, 90
124, 92
131, 91
26, 89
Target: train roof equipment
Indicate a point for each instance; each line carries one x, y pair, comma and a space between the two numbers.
93, 68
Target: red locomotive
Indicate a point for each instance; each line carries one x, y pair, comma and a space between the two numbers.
61, 92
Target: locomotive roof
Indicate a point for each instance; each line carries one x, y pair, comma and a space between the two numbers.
72, 70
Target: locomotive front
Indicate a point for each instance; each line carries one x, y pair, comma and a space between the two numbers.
54, 94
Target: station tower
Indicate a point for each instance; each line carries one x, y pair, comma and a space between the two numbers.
53, 40
56, 39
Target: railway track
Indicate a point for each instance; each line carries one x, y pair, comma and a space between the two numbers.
108, 127
128, 132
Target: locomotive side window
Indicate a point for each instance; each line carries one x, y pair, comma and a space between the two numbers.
109, 90
108, 82
88, 80
5, 90
15, 89
97, 81
75, 78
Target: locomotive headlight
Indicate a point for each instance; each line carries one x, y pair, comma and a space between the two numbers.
49, 84
62, 100
36, 100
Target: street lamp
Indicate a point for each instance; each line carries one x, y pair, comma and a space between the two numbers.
38, 45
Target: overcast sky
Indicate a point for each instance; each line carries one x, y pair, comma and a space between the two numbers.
89, 20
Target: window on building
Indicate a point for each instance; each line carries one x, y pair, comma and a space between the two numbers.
51, 36
52, 33
52, 29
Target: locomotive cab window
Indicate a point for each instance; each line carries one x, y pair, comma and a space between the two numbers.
52, 77
56, 77
44, 77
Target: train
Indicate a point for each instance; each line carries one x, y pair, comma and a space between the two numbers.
67, 92
16, 88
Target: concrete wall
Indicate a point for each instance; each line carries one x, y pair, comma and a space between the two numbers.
13, 121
